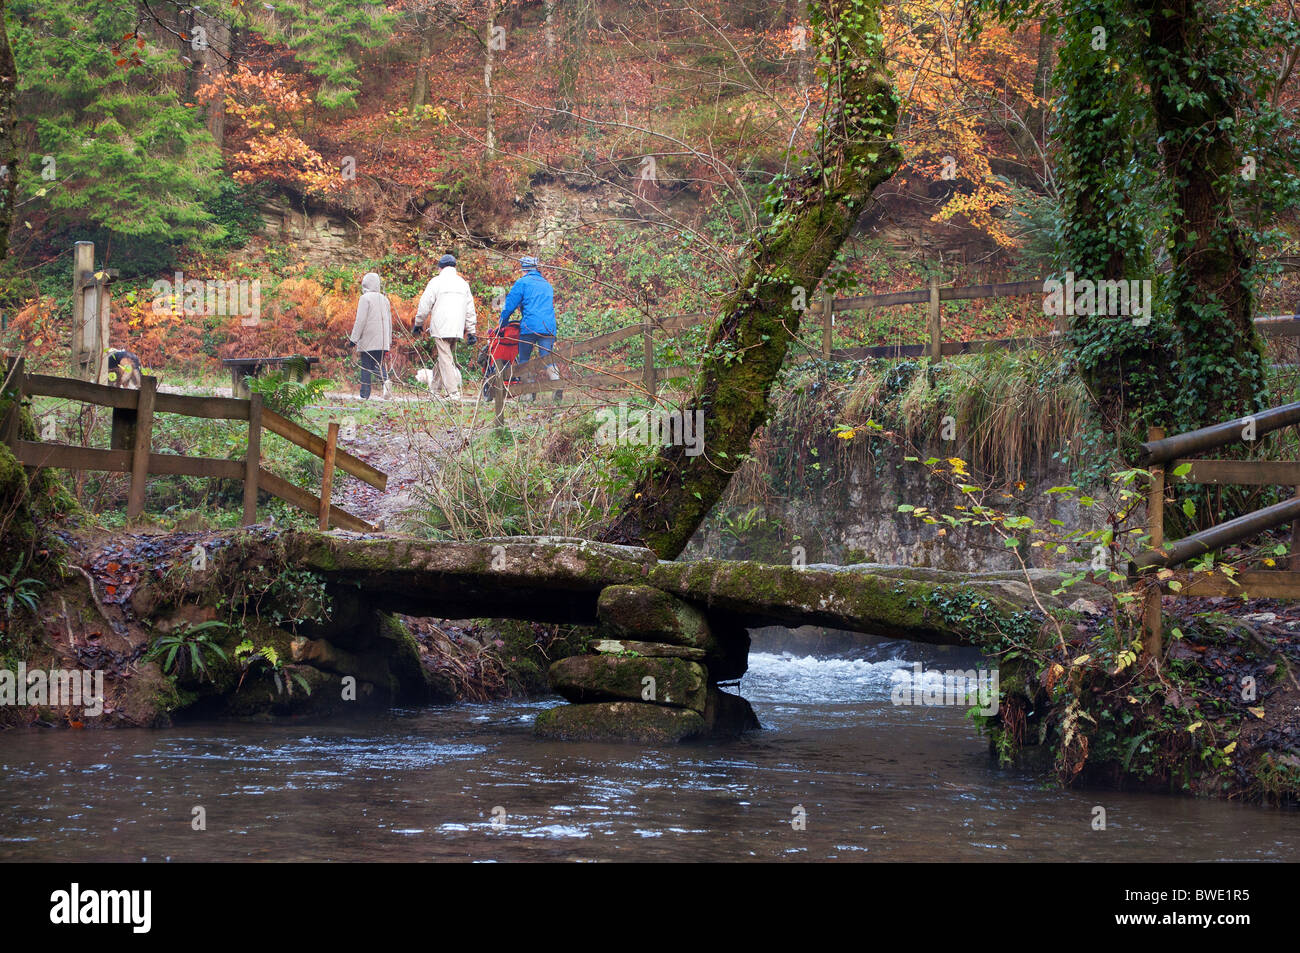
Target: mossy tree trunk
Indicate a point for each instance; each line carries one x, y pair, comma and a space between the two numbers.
813, 213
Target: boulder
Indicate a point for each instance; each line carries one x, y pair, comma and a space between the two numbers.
647, 614
660, 681
619, 721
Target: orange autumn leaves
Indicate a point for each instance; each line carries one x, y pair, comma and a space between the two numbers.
958, 95
267, 107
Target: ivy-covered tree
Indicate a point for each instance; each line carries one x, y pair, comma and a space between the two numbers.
1163, 118
112, 152
1109, 205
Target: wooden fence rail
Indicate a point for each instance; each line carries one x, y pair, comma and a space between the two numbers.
131, 444
532, 377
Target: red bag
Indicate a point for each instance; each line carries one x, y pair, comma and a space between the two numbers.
503, 343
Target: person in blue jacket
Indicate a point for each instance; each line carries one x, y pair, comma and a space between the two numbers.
534, 298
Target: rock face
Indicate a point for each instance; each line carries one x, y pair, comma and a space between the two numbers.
653, 678
620, 721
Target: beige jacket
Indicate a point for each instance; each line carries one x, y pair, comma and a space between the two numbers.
447, 306
373, 328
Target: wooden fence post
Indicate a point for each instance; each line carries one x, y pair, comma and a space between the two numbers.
648, 368
499, 395
327, 480
1294, 562
828, 322
1152, 625
14, 375
253, 462
141, 447
936, 327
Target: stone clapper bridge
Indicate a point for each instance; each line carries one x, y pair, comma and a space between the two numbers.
668, 633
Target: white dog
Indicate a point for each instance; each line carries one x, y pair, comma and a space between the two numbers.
425, 376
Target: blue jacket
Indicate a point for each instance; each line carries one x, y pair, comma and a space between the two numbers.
534, 297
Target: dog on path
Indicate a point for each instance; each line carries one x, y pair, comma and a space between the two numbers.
124, 368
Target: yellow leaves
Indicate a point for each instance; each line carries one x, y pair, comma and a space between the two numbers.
1194, 725
1081, 660
1257, 712
1020, 484
1230, 748
1270, 562
958, 466
847, 434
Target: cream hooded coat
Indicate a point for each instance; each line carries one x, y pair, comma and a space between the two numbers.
447, 306
373, 328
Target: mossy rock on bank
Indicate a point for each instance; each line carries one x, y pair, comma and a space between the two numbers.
660, 681
634, 722
652, 615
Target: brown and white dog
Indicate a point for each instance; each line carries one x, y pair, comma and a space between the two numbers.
124, 369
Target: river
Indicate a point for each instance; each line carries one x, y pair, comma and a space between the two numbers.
838, 773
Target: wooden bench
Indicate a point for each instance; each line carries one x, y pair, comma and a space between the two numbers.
242, 368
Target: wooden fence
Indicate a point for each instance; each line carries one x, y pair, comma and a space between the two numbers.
131, 444
648, 377
1165, 456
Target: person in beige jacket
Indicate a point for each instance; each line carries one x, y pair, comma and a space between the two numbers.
448, 304
372, 332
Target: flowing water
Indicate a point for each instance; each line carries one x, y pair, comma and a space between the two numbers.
864, 779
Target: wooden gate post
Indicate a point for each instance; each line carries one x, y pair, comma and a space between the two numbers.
253, 462
141, 447
327, 480
84, 327
1152, 625
936, 327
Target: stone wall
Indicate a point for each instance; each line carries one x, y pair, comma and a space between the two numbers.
858, 521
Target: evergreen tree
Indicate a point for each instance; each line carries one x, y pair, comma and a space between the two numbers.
327, 36
112, 152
